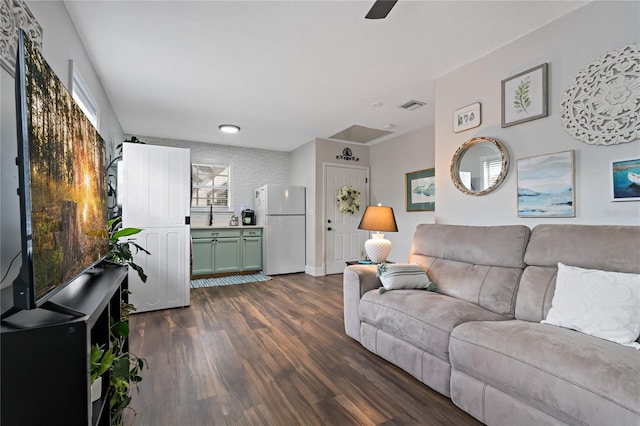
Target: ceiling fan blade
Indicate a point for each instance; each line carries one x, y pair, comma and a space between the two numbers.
381, 9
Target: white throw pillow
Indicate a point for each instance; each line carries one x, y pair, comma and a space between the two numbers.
395, 276
599, 303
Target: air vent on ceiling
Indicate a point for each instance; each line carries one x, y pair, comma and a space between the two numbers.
412, 104
359, 134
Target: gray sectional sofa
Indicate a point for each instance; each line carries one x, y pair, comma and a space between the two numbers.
478, 338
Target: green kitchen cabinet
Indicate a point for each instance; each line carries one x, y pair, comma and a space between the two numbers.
226, 255
225, 250
201, 256
251, 249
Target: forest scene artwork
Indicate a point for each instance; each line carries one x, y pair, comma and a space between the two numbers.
545, 185
625, 180
67, 179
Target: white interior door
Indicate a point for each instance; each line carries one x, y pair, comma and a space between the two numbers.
155, 191
344, 241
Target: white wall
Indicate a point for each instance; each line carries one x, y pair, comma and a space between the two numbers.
390, 161
250, 168
567, 45
308, 169
302, 171
60, 45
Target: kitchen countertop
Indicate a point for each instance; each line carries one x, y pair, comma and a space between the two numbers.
225, 227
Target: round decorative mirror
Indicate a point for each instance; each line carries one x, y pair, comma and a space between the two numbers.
479, 166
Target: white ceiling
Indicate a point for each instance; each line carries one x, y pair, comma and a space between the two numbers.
287, 72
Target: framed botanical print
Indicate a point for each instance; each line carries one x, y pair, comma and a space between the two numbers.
524, 96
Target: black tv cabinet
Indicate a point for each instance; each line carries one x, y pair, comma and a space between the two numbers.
44, 355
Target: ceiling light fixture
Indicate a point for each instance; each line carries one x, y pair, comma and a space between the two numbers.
229, 128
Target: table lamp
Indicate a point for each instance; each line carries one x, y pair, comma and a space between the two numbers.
378, 218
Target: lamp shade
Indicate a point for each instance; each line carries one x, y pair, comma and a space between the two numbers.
378, 218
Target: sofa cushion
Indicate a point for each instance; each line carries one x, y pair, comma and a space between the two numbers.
479, 264
599, 303
604, 247
422, 318
572, 376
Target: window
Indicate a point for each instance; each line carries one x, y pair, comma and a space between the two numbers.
210, 186
491, 168
83, 98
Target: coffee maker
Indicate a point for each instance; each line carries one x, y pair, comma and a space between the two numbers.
248, 217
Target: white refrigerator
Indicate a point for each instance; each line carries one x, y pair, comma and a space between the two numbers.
280, 211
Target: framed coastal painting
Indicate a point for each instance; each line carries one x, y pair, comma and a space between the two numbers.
625, 180
524, 96
546, 185
421, 190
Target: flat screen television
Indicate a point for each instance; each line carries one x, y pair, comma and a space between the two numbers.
63, 188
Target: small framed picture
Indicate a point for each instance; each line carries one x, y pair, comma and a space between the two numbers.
546, 185
421, 190
466, 118
625, 180
524, 96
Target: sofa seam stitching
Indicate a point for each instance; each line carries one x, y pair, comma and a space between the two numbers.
484, 402
545, 371
484, 280
514, 294
546, 292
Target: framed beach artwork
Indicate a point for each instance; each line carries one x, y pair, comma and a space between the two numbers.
546, 185
625, 180
524, 96
421, 190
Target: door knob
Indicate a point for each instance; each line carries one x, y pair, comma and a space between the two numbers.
329, 221
329, 229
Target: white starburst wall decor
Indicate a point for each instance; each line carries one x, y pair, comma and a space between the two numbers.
15, 15
601, 106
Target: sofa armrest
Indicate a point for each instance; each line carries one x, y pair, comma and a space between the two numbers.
357, 280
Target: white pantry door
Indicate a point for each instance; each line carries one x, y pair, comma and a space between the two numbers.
156, 191
344, 240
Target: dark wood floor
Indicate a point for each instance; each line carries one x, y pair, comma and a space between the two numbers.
272, 353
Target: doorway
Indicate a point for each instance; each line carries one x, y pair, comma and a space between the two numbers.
343, 240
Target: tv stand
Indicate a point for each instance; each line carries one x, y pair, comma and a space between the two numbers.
47, 306
61, 309
44, 355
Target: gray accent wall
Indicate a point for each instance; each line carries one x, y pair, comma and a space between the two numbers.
390, 162
567, 45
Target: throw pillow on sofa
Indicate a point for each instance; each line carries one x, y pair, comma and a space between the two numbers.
395, 276
599, 303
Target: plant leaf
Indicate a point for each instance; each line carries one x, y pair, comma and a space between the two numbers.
125, 232
120, 329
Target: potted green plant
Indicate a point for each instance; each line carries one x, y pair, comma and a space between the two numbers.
120, 247
123, 366
124, 370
